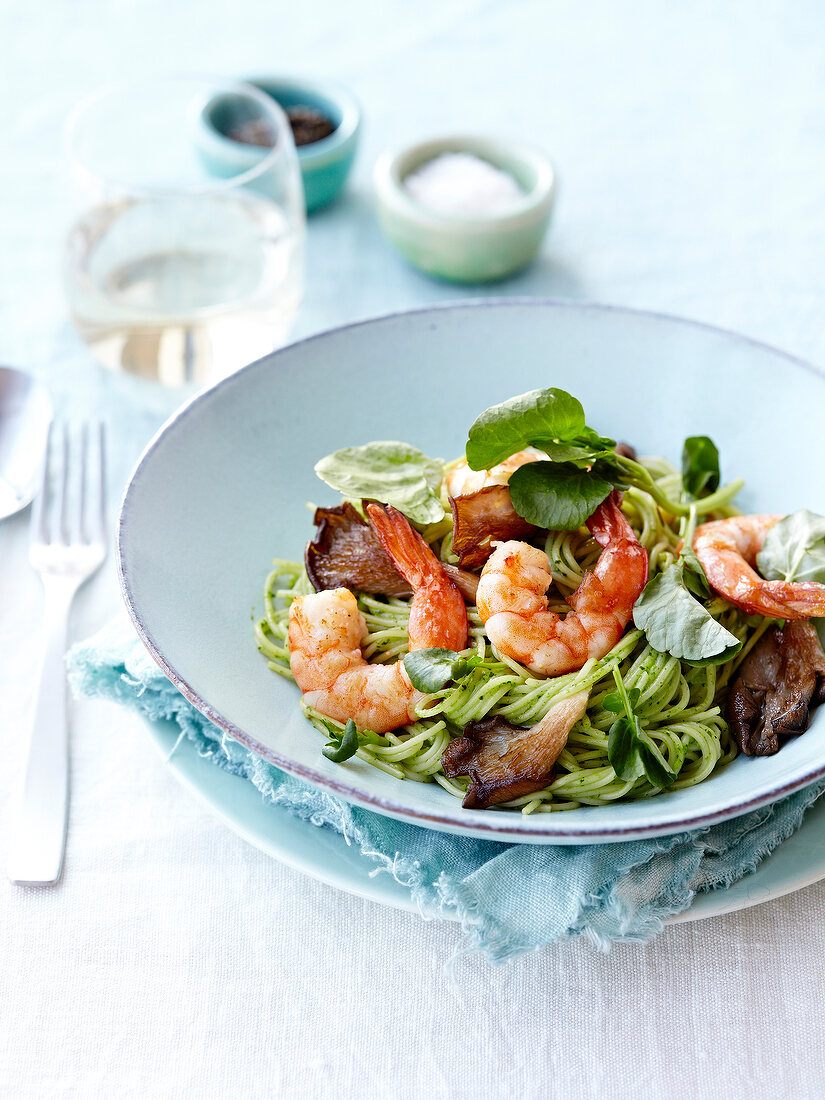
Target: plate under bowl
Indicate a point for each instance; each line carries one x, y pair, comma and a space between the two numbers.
324, 854
224, 485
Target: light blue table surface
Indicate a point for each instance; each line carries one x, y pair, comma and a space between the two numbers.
689, 140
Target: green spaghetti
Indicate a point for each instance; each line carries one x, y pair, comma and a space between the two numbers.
678, 704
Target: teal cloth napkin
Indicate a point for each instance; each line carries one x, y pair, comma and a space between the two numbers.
510, 898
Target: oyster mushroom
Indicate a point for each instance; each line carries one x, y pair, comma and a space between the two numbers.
506, 761
777, 685
347, 553
482, 518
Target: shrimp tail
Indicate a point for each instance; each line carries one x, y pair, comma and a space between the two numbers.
608, 523
609, 527
728, 549
438, 615
411, 555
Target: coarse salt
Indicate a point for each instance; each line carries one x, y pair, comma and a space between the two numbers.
461, 183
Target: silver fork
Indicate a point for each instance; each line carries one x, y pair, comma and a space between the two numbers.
67, 544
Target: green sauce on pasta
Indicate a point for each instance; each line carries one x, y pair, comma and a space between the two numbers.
680, 706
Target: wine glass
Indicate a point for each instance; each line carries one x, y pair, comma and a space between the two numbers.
185, 258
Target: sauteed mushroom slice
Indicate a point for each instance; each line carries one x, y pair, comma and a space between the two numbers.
777, 685
506, 761
465, 582
482, 518
346, 553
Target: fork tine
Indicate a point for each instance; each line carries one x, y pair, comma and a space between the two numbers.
39, 830
80, 532
53, 489
96, 522
70, 509
38, 513
59, 461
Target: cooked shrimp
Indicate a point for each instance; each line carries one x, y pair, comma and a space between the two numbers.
438, 617
326, 632
727, 549
462, 481
512, 598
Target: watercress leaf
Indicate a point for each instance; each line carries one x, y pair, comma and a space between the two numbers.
367, 737
694, 575
697, 585
431, 669
614, 702
556, 495
700, 466
536, 418
570, 452
676, 623
794, 549
340, 749
585, 450
597, 442
623, 749
656, 768
610, 467
390, 472
718, 659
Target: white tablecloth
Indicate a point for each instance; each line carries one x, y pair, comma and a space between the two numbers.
176, 960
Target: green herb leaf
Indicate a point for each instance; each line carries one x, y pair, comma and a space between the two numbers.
623, 749
577, 453
632, 752
367, 737
694, 576
700, 466
536, 418
390, 472
794, 549
597, 442
612, 468
341, 747
553, 421
556, 495
676, 623
432, 669
657, 770
615, 703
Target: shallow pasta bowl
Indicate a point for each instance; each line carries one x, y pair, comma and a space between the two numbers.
223, 488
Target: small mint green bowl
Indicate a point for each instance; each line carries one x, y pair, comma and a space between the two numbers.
476, 248
324, 164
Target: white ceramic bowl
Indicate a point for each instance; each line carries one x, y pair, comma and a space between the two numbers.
466, 248
223, 488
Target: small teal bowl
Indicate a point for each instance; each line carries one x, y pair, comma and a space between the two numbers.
471, 248
325, 164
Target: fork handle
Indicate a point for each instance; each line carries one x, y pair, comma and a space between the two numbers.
38, 832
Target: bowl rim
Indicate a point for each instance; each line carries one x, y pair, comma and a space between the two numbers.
496, 827
389, 175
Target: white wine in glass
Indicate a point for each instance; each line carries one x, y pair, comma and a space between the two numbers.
185, 263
